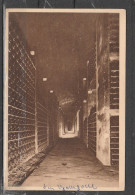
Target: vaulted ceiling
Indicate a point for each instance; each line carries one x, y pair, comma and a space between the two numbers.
62, 44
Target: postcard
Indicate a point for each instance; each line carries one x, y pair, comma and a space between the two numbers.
64, 99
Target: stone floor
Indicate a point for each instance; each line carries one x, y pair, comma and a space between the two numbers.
70, 163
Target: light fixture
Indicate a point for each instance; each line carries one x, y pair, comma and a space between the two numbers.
44, 79
51, 91
84, 79
84, 101
32, 53
89, 92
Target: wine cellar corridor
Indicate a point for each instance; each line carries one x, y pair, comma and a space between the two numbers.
63, 101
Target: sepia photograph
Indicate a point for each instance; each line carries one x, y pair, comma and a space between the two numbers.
64, 99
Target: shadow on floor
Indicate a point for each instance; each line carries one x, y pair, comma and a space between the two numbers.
71, 163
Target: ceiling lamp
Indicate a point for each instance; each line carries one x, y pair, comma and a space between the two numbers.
32, 53
44, 79
89, 92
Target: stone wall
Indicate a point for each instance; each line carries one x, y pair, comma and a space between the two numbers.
107, 85
103, 90
101, 105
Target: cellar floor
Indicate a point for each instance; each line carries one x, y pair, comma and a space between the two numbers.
70, 163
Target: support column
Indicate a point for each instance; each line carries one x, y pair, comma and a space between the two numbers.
103, 90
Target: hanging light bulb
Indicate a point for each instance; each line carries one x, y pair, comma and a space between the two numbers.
89, 92
32, 53
44, 79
